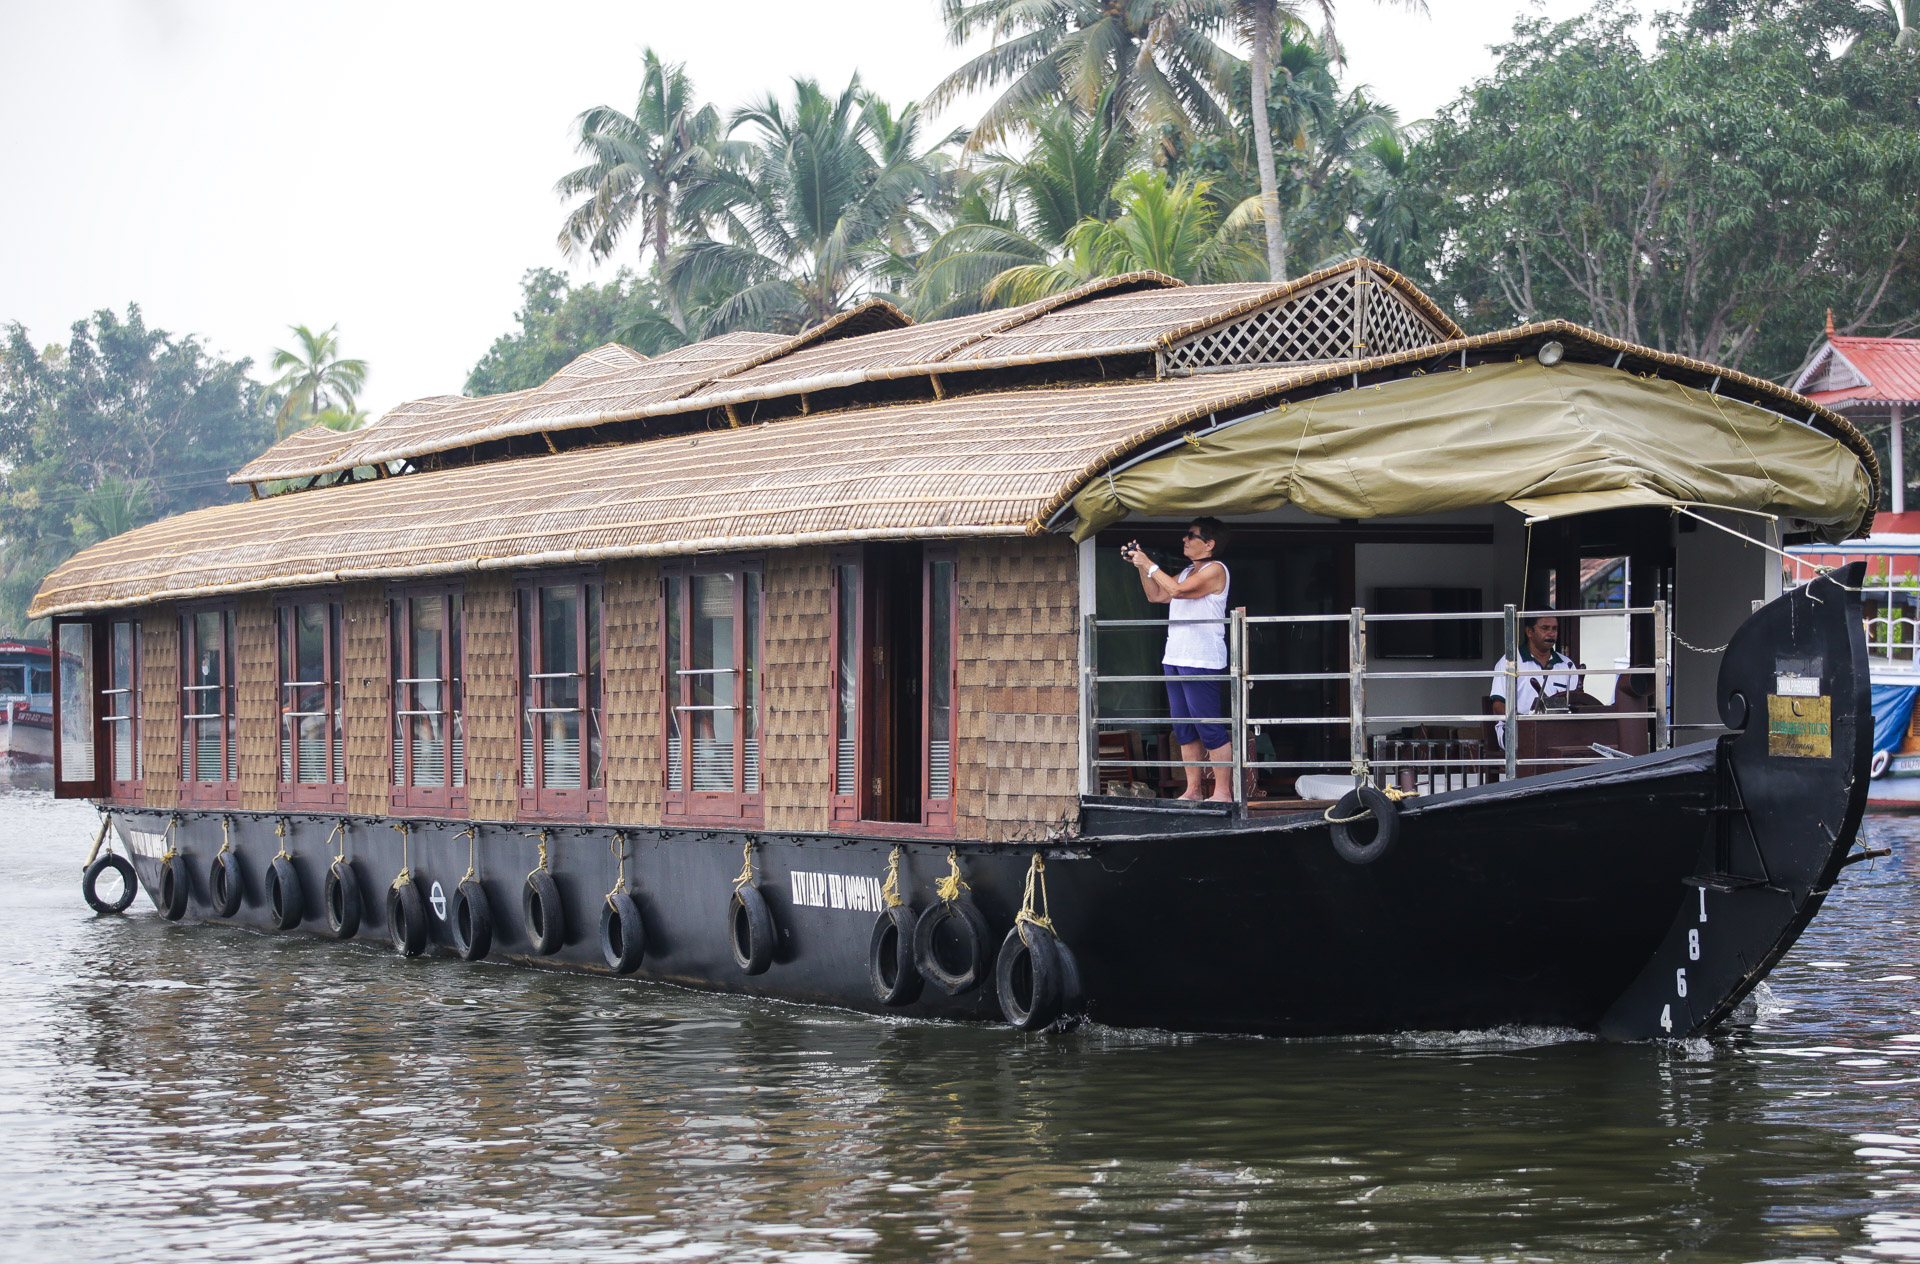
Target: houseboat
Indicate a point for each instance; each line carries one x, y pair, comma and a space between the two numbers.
26, 704
815, 667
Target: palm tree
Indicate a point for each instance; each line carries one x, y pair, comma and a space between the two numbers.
314, 378
1175, 228
638, 166
1127, 54
1391, 214
819, 209
1018, 211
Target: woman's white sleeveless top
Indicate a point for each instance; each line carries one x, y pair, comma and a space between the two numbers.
1198, 644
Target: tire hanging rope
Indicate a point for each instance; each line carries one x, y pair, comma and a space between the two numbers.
405, 876
890, 891
1030, 915
950, 887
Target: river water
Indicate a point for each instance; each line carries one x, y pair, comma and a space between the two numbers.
192, 1092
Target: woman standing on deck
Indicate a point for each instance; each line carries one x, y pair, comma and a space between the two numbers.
1195, 649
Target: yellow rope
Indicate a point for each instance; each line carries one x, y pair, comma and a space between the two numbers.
542, 837
950, 887
618, 845
171, 851
1394, 794
746, 865
1036, 881
406, 866
473, 842
340, 831
226, 839
280, 830
890, 893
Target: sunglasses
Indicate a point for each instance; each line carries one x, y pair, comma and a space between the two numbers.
1195, 535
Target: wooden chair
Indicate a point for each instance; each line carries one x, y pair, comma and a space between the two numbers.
1123, 746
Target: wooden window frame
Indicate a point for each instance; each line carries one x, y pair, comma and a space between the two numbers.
194, 792
292, 791
94, 786
134, 789
740, 808
447, 798
539, 802
937, 816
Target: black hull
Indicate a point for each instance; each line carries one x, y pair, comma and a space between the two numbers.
1570, 900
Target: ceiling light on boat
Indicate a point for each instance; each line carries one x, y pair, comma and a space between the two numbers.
1551, 353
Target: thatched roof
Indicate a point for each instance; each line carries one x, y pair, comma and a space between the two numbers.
991, 463
1138, 314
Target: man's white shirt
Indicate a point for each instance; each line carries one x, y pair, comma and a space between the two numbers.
1533, 688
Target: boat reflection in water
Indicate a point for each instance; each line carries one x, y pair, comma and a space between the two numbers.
811, 668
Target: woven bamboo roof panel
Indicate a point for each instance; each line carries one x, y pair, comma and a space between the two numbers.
994, 463
970, 465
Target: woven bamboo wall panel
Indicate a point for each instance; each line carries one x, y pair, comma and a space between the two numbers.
633, 692
160, 704
1017, 771
256, 743
798, 690
364, 653
492, 729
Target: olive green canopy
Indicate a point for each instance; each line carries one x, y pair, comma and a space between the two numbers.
1550, 442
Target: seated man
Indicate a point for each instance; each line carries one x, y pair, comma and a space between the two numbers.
1538, 633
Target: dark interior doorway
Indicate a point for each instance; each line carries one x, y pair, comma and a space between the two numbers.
893, 715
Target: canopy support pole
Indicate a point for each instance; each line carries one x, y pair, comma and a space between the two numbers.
1896, 447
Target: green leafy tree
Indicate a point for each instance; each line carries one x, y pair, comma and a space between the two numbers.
314, 379
1142, 62
559, 321
820, 210
121, 426
1173, 228
638, 167
1018, 211
1707, 197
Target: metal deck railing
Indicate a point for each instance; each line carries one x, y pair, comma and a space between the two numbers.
1361, 724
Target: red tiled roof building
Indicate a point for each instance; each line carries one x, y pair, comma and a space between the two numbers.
1869, 381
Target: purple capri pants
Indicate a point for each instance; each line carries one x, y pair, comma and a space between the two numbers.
1189, 698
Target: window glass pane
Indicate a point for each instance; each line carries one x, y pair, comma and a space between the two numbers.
559, 690
426, 691
336, 621
940, 680
400, 694
456, 692
123, 703
676, 683
846, 679
13, 680
525, 599
76, 667
596, 745
710, 717
750, 681
308, 690
207, 697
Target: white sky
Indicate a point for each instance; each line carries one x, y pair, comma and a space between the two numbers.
236, 166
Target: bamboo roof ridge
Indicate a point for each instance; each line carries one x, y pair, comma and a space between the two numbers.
1137, 313
989, 463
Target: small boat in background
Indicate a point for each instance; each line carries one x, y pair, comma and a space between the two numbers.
1891, 608
26, 702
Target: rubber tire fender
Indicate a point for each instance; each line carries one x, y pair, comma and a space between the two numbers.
471, 920
224, 887
173, 888
284, 904
1027, 976
407, 919
129, 885
623, 935
890, 969
1386, 818
342, 896
750, 930
545, 917
972, 926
